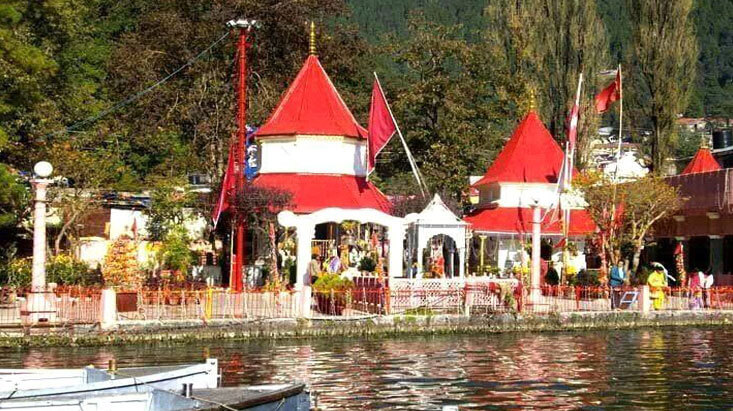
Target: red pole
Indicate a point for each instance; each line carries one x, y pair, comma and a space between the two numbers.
235, 282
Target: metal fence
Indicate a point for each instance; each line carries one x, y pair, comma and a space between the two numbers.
76, 305
59, 306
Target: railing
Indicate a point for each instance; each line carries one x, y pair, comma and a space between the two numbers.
211, 304
75, 305
58, 306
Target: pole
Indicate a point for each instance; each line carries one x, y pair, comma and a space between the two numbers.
620, 119
235, 282
411, 160
38, 281
535, 273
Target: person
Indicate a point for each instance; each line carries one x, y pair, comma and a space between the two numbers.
314, 268
353, 256
694, 283
706, 284
657, 281
617, 280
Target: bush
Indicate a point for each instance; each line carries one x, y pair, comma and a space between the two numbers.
174, 253
328, 282
17, 272
64, 269
367, 264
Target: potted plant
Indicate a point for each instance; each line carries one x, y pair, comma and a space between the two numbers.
332, 293
122, 272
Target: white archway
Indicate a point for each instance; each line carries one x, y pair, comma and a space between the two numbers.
434, 220
305, 225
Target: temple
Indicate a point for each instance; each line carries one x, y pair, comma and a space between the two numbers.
524, 174
704, 223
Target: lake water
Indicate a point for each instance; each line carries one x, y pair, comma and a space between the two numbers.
657, 368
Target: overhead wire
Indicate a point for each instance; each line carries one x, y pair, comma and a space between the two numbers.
139, 94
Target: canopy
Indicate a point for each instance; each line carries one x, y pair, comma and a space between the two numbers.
312, 106
312, 192
517, 220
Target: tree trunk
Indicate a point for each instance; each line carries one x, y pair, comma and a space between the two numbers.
637, 257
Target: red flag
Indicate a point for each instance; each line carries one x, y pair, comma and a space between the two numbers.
678, 249
609, 94
381, 125
227, 188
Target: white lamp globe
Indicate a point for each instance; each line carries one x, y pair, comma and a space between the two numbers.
43, 169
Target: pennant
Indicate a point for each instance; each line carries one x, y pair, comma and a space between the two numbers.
227, 188
608, 95
573, 127
381, 125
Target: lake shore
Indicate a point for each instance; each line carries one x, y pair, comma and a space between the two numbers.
171, 331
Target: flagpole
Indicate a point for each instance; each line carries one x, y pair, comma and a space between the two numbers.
411, 160
569, 176
620, 119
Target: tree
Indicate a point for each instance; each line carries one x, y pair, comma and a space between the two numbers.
445, 101
120, 268
545, 45
170, 204
626, 213
663, 62
84, 172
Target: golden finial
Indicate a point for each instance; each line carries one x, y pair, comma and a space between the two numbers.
532, 100
704, 143
312, 48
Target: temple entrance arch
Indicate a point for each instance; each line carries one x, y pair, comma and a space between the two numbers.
305, 226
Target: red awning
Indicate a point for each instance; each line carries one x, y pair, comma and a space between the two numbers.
312, 192
312, 106
517, 220
703, 162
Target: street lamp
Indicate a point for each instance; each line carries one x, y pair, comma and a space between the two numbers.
40, 304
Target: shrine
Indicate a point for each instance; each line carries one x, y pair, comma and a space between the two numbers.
524, 175
313, 147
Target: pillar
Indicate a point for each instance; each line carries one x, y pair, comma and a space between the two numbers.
108, 309
461, 263
716, 254
305, 235
396, 235
535, 276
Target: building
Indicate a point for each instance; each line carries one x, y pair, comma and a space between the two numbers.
313, 147
704, 224
524, 174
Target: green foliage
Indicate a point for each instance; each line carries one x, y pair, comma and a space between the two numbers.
328, 282
14, 198
170, 204
64, 269
587, 278
16, 272
367, 264
174, 252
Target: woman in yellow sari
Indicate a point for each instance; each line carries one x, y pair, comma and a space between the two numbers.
657, 281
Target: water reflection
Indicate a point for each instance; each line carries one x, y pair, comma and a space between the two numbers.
621, 369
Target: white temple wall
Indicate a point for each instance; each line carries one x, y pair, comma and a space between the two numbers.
314, 155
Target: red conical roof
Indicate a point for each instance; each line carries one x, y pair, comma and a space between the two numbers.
702, 162
312, 106
530, 156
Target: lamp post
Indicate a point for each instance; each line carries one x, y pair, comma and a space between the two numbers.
40, 307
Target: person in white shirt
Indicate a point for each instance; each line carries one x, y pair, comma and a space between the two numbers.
706, 283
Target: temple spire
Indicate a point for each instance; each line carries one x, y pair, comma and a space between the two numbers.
312, 48
532, 100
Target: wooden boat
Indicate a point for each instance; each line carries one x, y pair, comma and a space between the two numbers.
38, 383
283, 397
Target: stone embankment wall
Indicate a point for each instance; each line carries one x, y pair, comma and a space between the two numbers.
132, 332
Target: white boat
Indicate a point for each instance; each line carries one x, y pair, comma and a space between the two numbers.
160, 388
276, 397
38, 383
